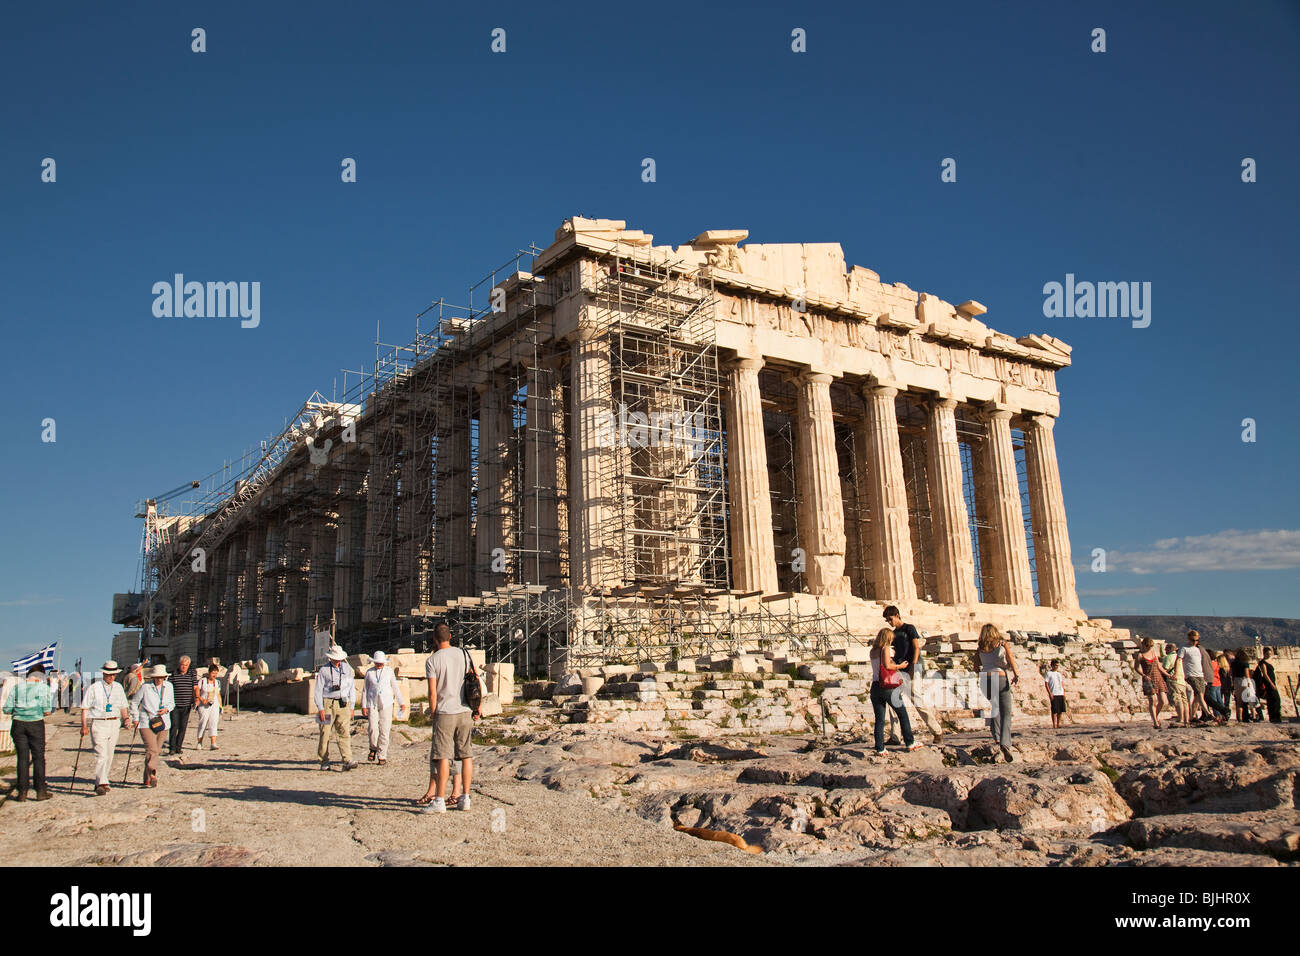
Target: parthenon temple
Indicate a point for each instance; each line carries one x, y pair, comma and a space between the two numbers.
619, 451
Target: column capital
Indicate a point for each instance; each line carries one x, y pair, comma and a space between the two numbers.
1041, 420
749, 363
945, 401
813, 376
879, 386
996, 410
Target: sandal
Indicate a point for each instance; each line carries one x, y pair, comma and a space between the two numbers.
424, 801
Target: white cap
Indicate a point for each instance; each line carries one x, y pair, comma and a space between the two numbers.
380, 657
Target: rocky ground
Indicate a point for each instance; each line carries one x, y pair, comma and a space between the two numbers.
548, 793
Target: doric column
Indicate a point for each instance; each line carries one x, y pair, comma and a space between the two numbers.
1047, 511
540, 536
753, 550
590, 446
495, 424
817, 471
1012, 583
891, 540
954, 560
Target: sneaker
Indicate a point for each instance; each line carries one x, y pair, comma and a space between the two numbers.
463, 802
350, 765
324, 764
436, 805
938, 739
1006, 752
101, 790
914, 745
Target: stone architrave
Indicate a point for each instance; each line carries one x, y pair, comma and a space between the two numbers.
891, 539
821, 509
954, 559
1056, 585
1011, 580
753, 550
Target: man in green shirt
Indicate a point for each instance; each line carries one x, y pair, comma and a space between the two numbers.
29, 702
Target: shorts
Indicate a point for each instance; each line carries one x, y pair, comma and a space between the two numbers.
1058, 704
1179, 694
451, 735
1198, 685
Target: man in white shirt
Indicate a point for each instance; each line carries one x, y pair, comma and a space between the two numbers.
336, 695
104, 713
155, 701
1194, 673
380, 694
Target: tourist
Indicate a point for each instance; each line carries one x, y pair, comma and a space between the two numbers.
907, 654
1147, 663
1266, 684
183, 687
29, 703
1240, 675
336, 695
133, 680
104, 712
377, 700
153, 709
994, 660
208, 704
1178, 685
453, 720
1055, 692
1194, 675
65, 693
1214, 690
887, 689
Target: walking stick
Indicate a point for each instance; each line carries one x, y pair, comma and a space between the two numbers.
81, 743
129, 752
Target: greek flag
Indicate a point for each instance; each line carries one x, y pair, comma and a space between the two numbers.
44, 657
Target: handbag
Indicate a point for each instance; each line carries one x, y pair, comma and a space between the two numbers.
889, 677
471, 692
156, 724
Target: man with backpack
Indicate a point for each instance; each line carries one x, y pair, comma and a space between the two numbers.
456, 696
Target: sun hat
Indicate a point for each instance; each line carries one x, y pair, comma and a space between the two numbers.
158, 670
380, 657
110, 667
336, 653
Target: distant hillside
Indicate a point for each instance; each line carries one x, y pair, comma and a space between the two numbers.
1216, 632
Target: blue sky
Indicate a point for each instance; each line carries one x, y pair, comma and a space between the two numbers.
1115, 166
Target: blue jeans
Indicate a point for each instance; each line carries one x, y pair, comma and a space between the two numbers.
880, 698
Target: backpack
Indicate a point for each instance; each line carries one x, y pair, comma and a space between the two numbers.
471, 692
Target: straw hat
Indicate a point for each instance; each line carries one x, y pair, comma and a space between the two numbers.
110, 667
158, 670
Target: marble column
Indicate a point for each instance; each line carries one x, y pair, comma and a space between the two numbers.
592, 444
1056, 586
1011, 580
817, 471
495, 425
891, 540
540, 536
753, 550
954, 559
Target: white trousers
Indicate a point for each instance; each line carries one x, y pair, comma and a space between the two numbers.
381, 726
209, 720
103, 736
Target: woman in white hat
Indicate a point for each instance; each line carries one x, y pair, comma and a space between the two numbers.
153, 707
378, 699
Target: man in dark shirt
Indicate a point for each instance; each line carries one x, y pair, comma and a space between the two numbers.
907, 648
1266, 681
183, 687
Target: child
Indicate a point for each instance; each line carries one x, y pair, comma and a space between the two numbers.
1056, 693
